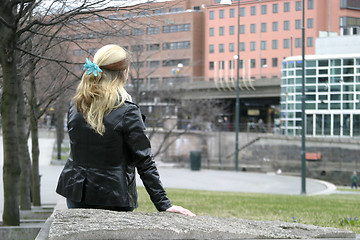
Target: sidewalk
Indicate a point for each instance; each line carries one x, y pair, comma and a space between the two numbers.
210, 180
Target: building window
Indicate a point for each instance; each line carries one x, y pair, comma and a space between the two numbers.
263, 45
160, 11
176, 9
242, 29
286, 43
221, 65
137, 31
310, 4
232, 12
351, 4
309, 42
274, 44
275, 26
275, 8
211, 48
231, 64
264, 9
137, 65
231, 47
286, 25
253, 63
153, 47
253, 28
286, 7
253, 10
310, 23
252, 46
232, 30
241, 64
221, 47
221, 31
242, 46
297, 24
176, 45
212, 15
175, 62
263, 62
222, 13
298, 5
263, 27
242, 12
211, 65
298, 42
153, 64
137, 48
153, 30
274, 62
211, 32
176, 28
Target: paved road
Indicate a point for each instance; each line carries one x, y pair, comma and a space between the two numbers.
211, 180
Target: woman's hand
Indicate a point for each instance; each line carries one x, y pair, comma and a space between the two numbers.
179, 209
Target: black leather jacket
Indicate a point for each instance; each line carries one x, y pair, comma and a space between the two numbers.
101, 169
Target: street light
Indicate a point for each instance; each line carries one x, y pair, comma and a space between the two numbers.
237, 103
303, 147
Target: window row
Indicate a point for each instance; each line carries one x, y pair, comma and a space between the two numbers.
264, 27
322, 89
323, 63
263, 45
140, 47
333, 81
264, 9
232, 63
324, 73
321, 105
164, 63
320, 97
330, 124
131, 32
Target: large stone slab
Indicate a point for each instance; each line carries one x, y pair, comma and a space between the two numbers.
101, 224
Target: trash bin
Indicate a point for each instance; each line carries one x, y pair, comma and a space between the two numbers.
195, 160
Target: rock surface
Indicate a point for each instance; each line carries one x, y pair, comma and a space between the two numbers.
102, 224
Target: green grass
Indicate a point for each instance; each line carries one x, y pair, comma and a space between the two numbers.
337, 210
344, 189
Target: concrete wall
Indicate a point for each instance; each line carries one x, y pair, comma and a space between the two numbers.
264, 153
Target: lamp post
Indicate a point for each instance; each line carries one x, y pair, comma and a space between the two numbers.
303, 147
237, 103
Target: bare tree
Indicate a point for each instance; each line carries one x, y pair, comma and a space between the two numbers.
19, 22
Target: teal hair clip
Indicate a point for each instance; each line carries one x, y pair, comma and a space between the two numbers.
91, 68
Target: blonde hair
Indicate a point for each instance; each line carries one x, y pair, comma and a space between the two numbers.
98, 95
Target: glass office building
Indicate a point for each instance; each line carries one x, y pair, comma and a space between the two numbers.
332, 95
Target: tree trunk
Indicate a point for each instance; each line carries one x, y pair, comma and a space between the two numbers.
59, 131
11, 168
35, 152
24, 156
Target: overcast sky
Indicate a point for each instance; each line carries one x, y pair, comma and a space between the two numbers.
67, 4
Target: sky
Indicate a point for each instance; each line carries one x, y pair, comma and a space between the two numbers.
68, 4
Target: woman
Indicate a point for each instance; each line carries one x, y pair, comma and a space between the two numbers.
108, 142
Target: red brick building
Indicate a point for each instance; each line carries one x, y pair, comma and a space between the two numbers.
270, 30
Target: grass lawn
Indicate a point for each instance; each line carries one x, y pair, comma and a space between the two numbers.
336, 210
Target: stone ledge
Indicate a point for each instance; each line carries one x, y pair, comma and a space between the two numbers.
101, 224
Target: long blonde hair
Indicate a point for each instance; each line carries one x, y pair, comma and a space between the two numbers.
98, 95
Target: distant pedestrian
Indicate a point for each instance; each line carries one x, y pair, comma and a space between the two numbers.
354, 180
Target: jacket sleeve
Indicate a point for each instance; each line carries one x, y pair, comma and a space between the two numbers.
139, 144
